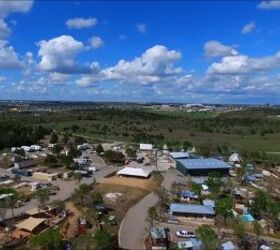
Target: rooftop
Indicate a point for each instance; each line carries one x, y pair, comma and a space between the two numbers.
179, 155
141, 172
191, 209
208, 163
158, 233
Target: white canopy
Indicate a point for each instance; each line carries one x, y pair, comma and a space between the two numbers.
137, 172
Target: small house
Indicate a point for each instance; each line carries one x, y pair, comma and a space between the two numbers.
146, 147
159, 236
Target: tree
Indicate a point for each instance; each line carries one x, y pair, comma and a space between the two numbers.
42, 196
57, 149
196, 188
103, 240
65, 138
223, 208
96, 198
257, 229
239, 232
207, 235
186, 145
114, 156
130, 152
58, 204
259, 204
163, 196
80, 140
48, 240
50, 160
80, 193
214, 183
151, 215
99, 149
54, 138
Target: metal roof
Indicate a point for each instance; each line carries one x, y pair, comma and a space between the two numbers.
208, 163
179, 155
130, 171
208, 202
191, 209
158, 233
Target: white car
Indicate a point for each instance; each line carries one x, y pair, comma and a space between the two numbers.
185, 234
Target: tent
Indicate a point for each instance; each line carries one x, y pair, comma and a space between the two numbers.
30, 224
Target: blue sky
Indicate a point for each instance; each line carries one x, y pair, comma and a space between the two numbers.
150, 51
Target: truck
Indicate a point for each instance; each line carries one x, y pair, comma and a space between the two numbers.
21, 172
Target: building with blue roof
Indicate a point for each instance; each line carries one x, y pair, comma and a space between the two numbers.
202, 167
192, 210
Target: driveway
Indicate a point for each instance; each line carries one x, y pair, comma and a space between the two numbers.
133, 227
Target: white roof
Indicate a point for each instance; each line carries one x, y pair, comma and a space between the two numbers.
142, 172
144, 146
234, 157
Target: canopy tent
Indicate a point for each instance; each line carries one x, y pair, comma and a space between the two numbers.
30, 224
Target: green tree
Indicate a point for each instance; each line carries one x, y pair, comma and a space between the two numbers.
99, 149
57, 149
130, 152
164, 198
42, 196
50, 160
96, 198
257, 229
239, 231
196, 188
65, 139
48, 240
58, 204
151, 216
80, 194
259, 204
103, 240
207, 235
54, 138
214, 183
223, 208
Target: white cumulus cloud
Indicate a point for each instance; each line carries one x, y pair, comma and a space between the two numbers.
58, 54
96, 42
153, 65
248, 28
216, 49
272, 4
4, 29
244, 64
8, 57
13, 6
80, 23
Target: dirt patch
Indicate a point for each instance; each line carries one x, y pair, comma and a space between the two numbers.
121, 205
72, 229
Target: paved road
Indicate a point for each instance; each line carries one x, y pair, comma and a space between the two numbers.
133, 227
191, 228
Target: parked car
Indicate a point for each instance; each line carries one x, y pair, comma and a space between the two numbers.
185, 234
